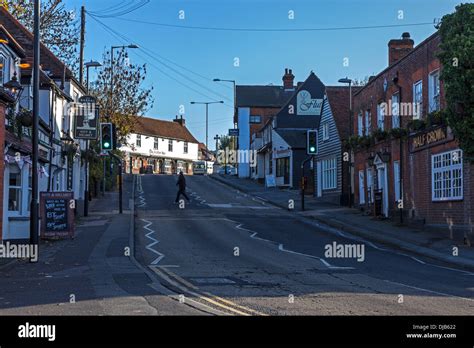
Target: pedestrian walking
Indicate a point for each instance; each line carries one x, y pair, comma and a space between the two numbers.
182, 187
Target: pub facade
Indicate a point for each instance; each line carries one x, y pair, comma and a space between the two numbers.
407, 164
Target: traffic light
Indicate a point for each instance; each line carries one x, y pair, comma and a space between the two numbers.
106, 136
312, 142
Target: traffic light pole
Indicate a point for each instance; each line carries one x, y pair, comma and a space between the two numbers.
303, 181
119, 160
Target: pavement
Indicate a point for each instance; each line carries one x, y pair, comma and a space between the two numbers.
92, 274
414, 240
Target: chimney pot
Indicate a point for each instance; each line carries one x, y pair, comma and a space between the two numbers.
399, 48
288, 80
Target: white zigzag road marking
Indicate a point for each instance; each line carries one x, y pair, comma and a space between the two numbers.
154, 242
281, 248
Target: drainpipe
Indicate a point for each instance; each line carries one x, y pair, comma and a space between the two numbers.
51, 137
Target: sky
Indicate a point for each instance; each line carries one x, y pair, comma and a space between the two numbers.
183, 61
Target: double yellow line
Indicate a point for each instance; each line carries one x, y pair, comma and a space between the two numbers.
215, 301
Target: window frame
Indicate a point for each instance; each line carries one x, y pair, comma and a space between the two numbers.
434, 91
138, 140
329, 173
155, 143
170, 145
185, 147
380, 117
360, 124
417, 97
439, 169
252, 119
325, 131
396, 119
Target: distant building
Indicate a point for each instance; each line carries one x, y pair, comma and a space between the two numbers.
255, 106
160, 147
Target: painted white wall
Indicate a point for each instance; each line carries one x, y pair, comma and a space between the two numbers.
147, 148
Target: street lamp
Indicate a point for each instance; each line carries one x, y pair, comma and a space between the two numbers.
91, 64
235, 107
349, 81
207, 115
14, 87
34, 207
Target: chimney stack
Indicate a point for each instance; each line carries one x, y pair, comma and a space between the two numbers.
399, 48
288, 80
180, 120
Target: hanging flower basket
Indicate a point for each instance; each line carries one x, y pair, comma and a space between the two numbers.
25, 117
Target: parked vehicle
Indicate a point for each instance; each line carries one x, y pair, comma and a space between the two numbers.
230, 170
199, 168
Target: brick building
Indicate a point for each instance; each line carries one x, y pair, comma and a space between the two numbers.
407, 162
256, 105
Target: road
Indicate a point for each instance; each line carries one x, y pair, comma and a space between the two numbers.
229, 253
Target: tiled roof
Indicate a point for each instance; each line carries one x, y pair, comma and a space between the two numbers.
262, 96
24, 38
160, 128
338, 98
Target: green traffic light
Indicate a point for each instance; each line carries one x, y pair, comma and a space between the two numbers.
312, 149
106, 145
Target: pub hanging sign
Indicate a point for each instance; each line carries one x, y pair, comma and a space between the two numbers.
429, 138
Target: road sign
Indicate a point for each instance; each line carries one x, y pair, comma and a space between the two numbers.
234, 132
86, 118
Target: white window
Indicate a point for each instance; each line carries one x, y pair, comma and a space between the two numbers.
139, 140
446, 176
14, 189
380, 116
360, 124
170, 145
370, 186
395, 111
155, 143
396, 181
368, 122
433, 91
329, 171
417, 99
326, 131
185, 147
255, 119
361, 187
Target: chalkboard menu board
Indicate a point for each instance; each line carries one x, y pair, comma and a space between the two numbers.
57, 215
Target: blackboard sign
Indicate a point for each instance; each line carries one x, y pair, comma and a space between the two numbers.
57, 214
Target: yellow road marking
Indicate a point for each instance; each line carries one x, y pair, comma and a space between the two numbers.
209, 298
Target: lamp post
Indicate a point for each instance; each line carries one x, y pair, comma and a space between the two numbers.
112, 100
235, 109
349, 195
207, 115
34, 207
91, 64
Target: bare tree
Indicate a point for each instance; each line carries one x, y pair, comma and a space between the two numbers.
59, 27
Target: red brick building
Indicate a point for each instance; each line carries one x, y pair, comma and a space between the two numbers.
421, 175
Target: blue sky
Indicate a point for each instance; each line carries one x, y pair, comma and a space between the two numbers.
263, 56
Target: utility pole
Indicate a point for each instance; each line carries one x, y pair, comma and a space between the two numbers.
82, 44
217, 138
34, 216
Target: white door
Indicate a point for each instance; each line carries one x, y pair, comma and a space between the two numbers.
320, 179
